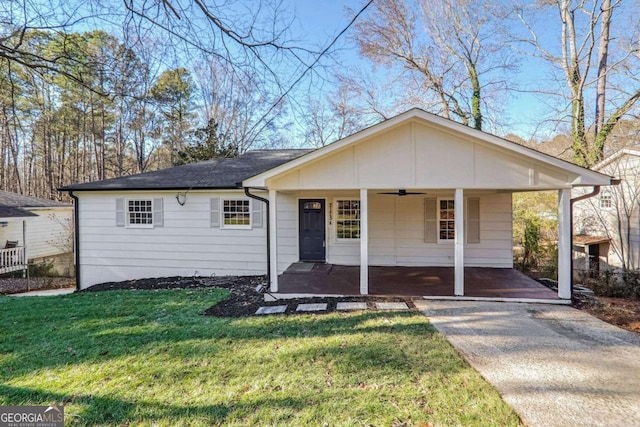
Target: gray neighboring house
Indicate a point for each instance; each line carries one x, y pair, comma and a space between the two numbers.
34, 229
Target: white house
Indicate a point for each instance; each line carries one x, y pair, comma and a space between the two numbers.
416, 196
607, 226
41, 227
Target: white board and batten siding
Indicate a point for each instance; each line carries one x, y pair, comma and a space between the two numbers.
187, 242
48, 234
416, 154
397, 231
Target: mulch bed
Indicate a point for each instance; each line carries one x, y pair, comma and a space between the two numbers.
17, 285
244, 299
622, 312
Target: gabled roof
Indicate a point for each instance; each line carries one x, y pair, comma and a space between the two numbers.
16, 200
585, 176
210, 174
631, 151
14, 213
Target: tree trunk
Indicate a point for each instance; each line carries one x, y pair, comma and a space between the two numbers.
603, 53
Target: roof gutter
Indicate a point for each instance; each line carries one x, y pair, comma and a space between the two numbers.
76, 237
266, 202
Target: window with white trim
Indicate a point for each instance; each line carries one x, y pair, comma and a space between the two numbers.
446, 220
236, 213
605, 200
140, 213
347, 219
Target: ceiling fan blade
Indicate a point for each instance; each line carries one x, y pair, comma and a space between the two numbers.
401, 193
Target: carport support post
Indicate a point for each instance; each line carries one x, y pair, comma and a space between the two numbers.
273, 221
564, 243
364, 242
458, 288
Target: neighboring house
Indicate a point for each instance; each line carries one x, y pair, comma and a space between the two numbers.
415, 191
45, 225
607, 226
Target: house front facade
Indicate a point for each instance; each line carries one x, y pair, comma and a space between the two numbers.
415, 191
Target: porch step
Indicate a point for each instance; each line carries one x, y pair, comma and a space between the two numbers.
312, 307
274, 309
391, 306
344, 306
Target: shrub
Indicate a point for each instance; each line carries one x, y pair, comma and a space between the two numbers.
608, 283
40, 269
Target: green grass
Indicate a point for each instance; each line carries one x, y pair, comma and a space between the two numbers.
150, 358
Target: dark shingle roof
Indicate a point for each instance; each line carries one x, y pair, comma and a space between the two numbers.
11, 212
20, 201
216, 173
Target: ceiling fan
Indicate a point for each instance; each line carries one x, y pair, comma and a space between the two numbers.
401, 192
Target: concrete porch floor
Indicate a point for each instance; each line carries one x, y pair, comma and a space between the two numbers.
329, 279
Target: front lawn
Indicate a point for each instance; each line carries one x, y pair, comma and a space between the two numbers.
150, 358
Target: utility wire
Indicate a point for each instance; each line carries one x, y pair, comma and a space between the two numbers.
309, 68
298, 80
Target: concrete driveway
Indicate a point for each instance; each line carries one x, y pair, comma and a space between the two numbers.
555, 365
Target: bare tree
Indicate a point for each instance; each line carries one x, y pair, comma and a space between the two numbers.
454, 48
331, 120
585, 59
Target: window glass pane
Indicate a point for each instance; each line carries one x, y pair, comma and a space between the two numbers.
446, 223
236, 212
348, 219
312, 206
140, 212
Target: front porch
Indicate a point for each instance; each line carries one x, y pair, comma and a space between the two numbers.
492, 283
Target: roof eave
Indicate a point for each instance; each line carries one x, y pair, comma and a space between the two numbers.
168, 188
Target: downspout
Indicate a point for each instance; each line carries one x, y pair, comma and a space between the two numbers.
266, 202
76, 237
593, 193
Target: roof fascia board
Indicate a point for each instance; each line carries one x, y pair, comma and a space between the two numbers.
16, 218
74, 190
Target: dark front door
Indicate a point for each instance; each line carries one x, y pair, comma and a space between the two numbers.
312, 230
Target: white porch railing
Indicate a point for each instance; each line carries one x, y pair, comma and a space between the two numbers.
12, 259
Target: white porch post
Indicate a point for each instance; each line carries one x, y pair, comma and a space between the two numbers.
364, 242
564, 243
273, 244
458, 288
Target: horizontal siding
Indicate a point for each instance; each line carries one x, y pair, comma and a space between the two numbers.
396, 233
287, 234
186, 244
48, 234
